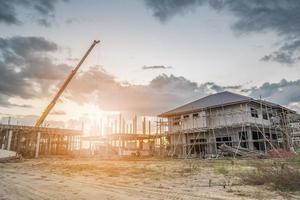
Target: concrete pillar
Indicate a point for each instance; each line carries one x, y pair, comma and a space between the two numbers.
10, 133
49, 145
250, 139
90, 147
73, 143
119, 146
144, 125
37, 146
67, 144
57, 144
73, 140
81, 144
18, 138
183, 146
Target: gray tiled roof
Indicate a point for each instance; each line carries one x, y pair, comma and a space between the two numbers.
214, 100
218, 100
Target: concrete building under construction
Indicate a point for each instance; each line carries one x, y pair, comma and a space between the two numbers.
34, 141
199, 128
124, 139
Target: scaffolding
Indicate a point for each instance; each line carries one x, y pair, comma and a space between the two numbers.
200, 133
135, 136
34, 141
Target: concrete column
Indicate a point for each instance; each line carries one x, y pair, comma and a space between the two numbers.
49, 145
81, 144
57, 146
18, 139
2, 142
119, 146
72, 143
37, 146
183, 147
250, 139
10, 133
90, 147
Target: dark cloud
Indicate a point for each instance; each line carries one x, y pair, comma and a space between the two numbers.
72, 20
281, 17
26, 69
24, 46
42, 9
165, 9
156, 67
166, 92
8, 13
284, 92
219, 88
162, 93
280, 57
286, 54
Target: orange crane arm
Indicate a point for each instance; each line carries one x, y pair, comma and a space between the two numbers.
42, 118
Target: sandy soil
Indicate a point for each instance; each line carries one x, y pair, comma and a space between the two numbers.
61, 178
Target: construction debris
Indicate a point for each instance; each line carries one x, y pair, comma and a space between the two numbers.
9, 156
239, 151
281, 153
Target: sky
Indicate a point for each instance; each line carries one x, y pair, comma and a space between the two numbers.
154, 55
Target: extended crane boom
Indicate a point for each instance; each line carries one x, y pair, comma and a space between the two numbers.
63, 87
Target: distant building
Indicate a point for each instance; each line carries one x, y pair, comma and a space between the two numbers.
197, 129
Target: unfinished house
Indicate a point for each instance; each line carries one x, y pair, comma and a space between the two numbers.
199, 128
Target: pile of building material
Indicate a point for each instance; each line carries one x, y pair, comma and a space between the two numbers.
8, 156
239, 151
281, 153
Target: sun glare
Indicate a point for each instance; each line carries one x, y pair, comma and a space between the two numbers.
93, 116
93, 111
96, 120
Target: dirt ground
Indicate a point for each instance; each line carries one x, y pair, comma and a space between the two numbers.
67, 178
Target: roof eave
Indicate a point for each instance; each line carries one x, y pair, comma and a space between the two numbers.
166, 114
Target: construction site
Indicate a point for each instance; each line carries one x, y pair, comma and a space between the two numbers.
224, 124
230, 124
237, 127
205, 146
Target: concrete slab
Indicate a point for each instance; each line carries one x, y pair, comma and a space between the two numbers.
7, 154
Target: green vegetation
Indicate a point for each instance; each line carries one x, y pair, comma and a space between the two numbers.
281, 177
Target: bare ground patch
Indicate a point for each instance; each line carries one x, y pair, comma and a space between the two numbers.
60, 178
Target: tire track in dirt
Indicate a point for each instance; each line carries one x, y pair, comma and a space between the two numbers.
157, 193
19, 188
